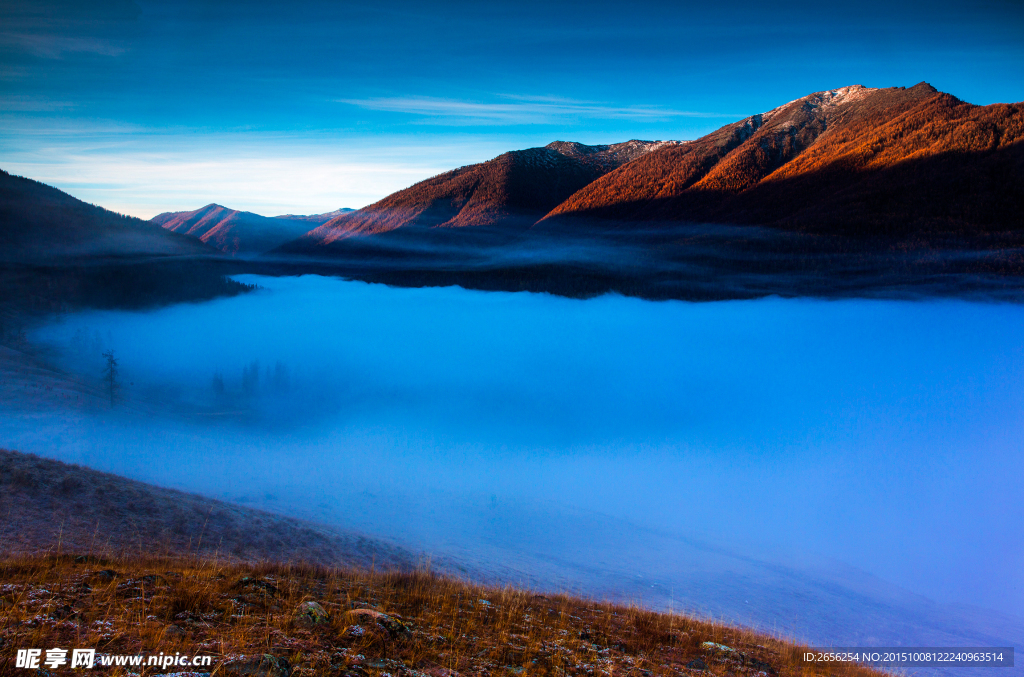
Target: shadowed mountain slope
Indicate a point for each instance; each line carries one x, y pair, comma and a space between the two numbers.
235, 232
40, 223
49, 506
511, 191
853, 161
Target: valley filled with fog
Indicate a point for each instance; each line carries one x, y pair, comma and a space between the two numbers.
844, 472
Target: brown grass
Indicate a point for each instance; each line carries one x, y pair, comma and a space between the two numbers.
228, 610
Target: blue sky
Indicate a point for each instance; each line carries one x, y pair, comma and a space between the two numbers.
305, 107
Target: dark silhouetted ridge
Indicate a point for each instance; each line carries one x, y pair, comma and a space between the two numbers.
40, 223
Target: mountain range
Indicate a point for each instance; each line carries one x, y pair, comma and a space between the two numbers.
855, 161
839, 192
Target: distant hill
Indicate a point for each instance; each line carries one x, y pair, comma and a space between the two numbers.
48, 505
854, 161
316, 219
41, 223
240, 233
511, 191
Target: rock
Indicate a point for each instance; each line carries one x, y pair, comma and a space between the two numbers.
697, 664
375, 619
173, 631
256, 584
105, 576
354, 671
760, 665
154, 579
712, 646
257, 666
310, 614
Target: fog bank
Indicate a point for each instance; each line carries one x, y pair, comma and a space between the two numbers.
842, 439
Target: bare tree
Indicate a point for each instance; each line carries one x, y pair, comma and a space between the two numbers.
110, 375
218, 384
251, 377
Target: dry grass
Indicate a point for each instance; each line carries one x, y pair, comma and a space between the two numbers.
435, 625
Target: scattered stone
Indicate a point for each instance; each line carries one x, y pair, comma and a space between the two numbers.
63, 612
354, 671
310, 614
383, 663
391, 625
257, 666
256, 583
441, 672
712, 646
697, 664
105, 576
759, 665
174, 631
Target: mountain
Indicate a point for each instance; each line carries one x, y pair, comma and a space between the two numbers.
49, 505
512, 191
235, 232
856, 161
316, 219
41, 223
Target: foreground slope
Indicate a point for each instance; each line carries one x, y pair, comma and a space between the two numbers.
53, 506
852, 161
240, 233
511, 191
275, 620
40, 223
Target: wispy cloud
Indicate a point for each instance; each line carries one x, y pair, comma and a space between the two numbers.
32, 104
520, 110
51, 46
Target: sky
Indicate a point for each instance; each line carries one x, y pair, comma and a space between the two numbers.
304, 107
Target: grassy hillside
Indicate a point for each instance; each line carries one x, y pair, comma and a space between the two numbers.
314, 621
49, 506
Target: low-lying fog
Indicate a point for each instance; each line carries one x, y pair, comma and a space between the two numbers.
596, 444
